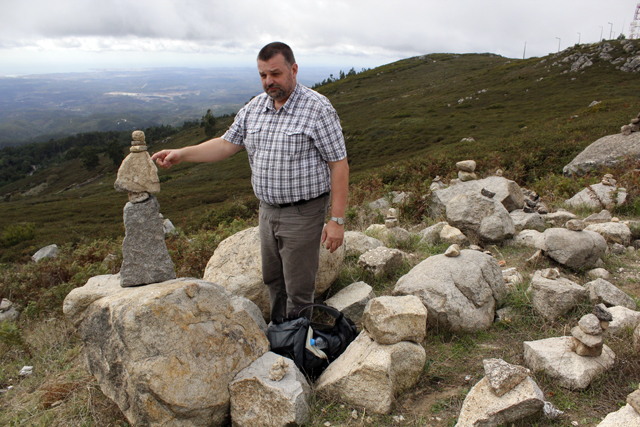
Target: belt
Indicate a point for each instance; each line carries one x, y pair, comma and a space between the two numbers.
298, 203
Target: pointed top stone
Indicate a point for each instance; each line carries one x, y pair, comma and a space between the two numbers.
137, 135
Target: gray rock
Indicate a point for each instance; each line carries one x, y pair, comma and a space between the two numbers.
590, 324
467, 166
623, 318
482, 407
556, 358
507, 192
598, 273
559, 218
601, 291
431, 235
460, 293
352, 300
598, 195
503, 376
371, 375
466, 176
613, 232
530, 238
389, 236
527, 221
452, 251
623, 417
168, 228
602, 313
8, 311
381, 260
145, 258
586, 339
479, 216
50, 251
389, 320
602, 216
256, 399
357, 243
555, 298
165, 351
606, 151
633, 399
574, 249
452, 235
575, 225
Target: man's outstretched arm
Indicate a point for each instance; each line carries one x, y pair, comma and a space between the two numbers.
212, 150
333, 233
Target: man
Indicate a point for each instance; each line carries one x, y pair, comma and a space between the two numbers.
297, 156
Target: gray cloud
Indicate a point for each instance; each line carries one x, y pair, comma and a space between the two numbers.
331, 28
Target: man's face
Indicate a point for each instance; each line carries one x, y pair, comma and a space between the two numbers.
278, 79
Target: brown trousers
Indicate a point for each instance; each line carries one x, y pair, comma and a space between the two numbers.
290, 248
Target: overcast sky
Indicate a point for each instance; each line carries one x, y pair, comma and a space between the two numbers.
43, 36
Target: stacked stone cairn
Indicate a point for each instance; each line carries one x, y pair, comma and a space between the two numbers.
633, 126
385, 359
506, 394
466, 170
391, 220
587, 336
145, 256
532, 202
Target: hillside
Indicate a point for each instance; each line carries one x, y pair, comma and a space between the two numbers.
529, 117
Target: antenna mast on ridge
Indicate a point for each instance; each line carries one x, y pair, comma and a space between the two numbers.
634, 27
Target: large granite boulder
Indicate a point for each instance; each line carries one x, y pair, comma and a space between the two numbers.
506, 192
482, 407
623, 319
574, 249
555, 297
480, 216
165, 353
260, 398
598, 195
371, 375
460, 293
606, 151
555, 356
236, 264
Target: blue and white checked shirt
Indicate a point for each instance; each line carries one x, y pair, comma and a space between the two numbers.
289, 148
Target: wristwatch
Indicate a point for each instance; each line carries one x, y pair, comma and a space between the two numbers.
339, 220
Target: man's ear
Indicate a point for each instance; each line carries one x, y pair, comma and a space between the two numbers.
294, 70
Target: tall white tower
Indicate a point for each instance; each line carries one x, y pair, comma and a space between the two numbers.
634, 27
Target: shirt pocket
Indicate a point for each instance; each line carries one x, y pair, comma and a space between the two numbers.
294, 143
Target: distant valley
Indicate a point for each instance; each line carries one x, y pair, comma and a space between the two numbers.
41, 107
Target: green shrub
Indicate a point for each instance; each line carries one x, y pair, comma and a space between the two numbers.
15, 234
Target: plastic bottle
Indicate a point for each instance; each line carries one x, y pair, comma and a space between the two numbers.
319, 342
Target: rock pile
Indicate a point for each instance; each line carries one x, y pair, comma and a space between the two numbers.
587, 336
633, 126
145, 258
506, 394
8, 311
385, 359
574, 361
466, 170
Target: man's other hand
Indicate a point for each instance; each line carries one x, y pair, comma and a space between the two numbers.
333, 235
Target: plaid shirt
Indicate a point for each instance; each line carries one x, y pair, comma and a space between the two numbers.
289, 148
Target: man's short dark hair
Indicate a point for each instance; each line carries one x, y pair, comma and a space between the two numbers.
275, 48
